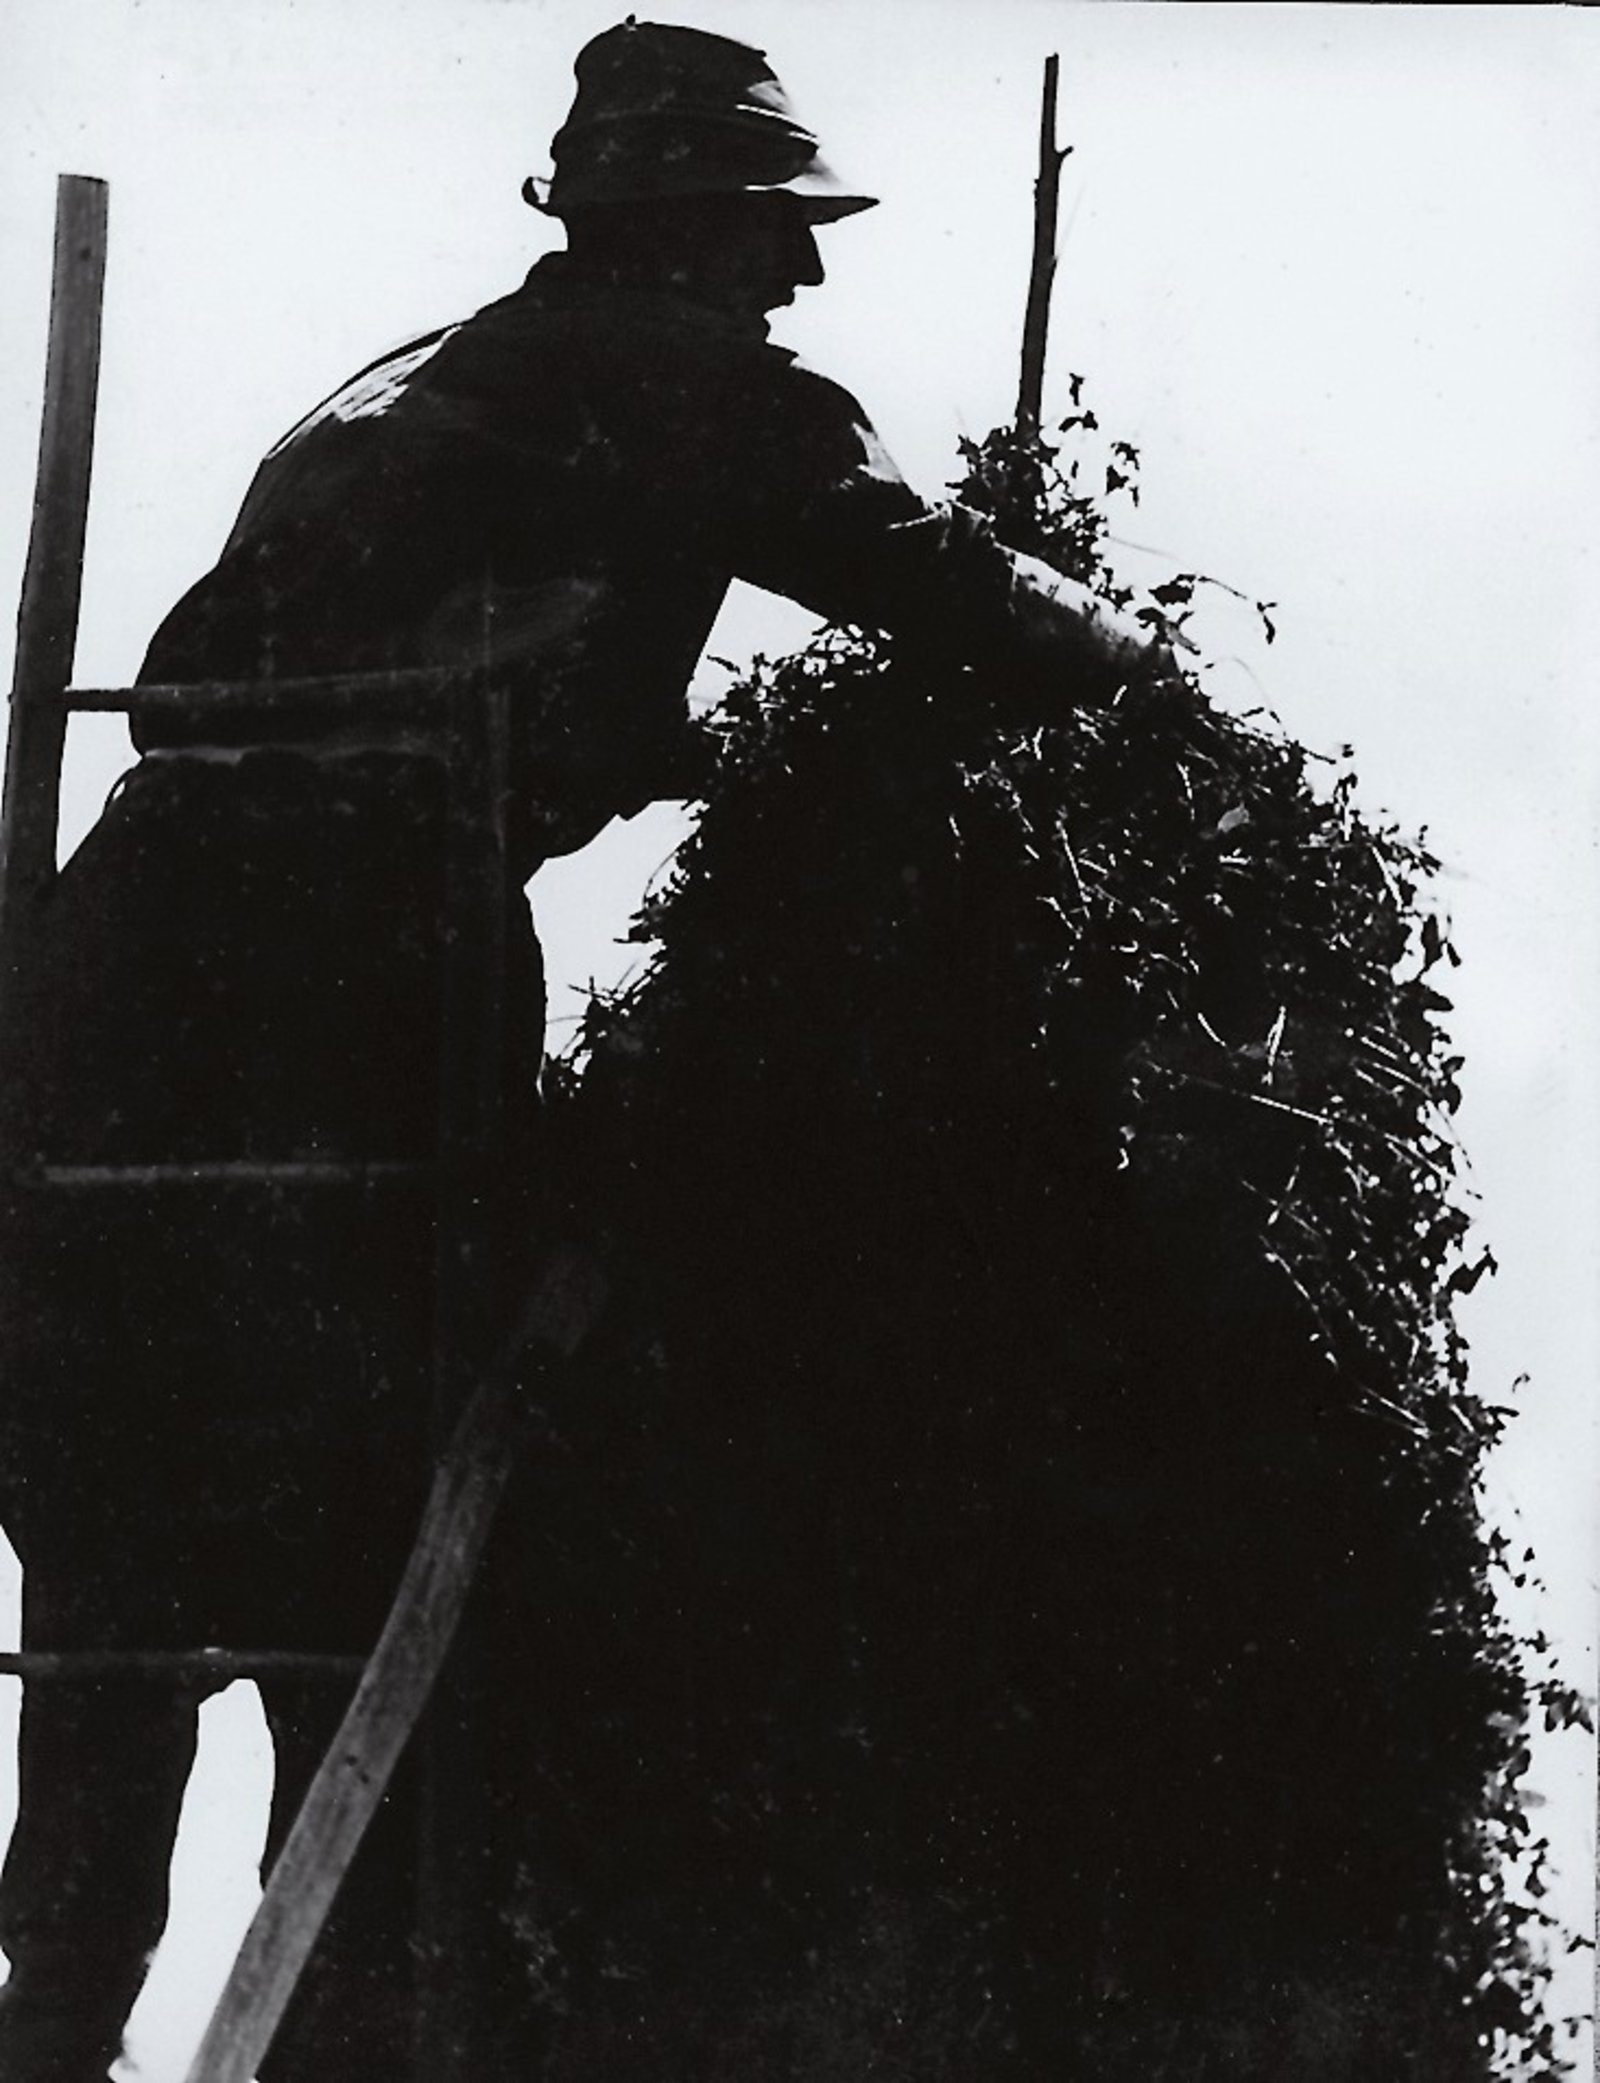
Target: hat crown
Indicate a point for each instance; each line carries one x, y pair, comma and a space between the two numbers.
656, 69
662, 110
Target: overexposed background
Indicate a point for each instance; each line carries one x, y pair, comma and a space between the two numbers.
1333, 269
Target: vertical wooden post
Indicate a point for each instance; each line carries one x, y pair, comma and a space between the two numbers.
47, 621
469, 1303
1042, 273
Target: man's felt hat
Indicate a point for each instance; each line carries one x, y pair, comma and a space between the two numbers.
663, 111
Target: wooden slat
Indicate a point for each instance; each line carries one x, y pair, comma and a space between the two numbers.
47, 622
182, 1666
425, 694
220, 1172
351, 1780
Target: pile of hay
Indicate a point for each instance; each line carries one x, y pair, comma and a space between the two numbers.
1029, 1593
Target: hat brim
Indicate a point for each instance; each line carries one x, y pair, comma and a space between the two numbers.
822, 197
821, 206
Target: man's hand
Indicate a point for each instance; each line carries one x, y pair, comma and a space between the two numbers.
1060, 621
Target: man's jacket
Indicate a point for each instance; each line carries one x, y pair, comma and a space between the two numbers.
567, 483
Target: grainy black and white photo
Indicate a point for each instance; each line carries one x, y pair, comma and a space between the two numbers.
799, 999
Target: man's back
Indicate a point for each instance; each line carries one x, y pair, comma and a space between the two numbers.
565, 483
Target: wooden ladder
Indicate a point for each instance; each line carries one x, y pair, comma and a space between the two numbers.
466, 721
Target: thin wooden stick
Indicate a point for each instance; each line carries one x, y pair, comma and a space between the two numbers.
47, 621
1041, 274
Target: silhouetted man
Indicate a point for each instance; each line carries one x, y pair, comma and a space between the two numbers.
217, 1410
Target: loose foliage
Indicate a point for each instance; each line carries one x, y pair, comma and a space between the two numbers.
1032, 1609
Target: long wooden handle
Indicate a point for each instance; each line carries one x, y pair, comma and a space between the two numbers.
47, 621
351, 1779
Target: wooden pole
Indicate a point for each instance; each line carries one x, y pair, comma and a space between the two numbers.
47, 621
1041, 275
350, 1783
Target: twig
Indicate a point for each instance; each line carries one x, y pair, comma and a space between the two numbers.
1041, 275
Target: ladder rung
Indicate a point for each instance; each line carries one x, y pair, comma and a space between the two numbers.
180, 1664
266, 1172
420, 693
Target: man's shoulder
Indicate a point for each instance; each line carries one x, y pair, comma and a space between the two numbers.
374, 389
634, 354
563, 364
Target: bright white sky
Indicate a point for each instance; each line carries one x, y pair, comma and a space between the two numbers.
1332, 268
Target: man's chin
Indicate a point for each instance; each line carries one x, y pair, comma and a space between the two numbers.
754, 311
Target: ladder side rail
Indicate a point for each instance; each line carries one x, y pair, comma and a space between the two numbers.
52, 585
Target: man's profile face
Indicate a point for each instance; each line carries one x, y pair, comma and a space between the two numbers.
750, 253
743, 253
